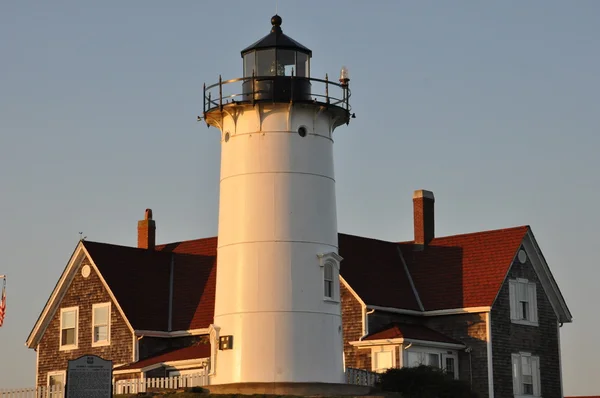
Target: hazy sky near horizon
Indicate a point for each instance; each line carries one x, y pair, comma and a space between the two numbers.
493, 106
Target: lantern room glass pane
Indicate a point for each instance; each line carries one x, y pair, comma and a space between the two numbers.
286, 62
302, 69
249, 64
265, 62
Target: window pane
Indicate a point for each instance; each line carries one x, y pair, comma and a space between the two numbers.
68, 336
450, 365
527, 389
523, 296
56, 380
328, 289
414, 359
101, 316
434, 360
286, 61
249, 64
525, 366
328, 271
524, 310
383, 360
302, 65
100, 333
265, 63
68, 319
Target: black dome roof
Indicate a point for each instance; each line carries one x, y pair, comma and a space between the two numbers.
276, 39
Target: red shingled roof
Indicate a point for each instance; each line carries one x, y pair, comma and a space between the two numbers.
410, 331
197, 351
451, 272
139, 279
194, 282
463, 271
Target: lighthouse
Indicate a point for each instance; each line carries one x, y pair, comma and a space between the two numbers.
277, 308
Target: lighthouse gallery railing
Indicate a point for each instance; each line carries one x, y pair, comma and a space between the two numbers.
255, 89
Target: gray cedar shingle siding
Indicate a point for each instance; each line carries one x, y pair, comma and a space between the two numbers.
83, 292
508, 338
352, 331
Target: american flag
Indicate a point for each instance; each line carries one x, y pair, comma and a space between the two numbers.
3, 302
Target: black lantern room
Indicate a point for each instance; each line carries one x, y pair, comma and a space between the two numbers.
277, 69
279, 65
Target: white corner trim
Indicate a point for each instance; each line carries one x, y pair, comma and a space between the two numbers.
560, 372
490, 366
410, 279
176, 333
451, 311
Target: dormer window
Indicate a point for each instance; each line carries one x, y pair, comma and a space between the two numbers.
523, 302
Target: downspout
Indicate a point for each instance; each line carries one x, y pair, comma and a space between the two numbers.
365, 322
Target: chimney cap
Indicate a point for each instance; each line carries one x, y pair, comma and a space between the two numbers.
148, 215
422, 193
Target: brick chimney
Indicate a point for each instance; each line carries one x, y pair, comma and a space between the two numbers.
423, 202
147, 232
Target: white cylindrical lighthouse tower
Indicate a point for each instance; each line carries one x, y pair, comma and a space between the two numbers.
277, 311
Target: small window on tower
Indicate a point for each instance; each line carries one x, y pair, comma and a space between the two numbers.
328, 279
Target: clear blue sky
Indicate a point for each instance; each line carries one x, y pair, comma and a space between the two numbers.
492, 106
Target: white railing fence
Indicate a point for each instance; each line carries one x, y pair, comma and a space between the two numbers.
40, 392
142, 385
361, 377
133, 386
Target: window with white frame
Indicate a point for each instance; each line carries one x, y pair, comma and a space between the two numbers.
330, 268
69, 318
523, 302
526, 375
100, 324
56, 384
383, 358
328, 280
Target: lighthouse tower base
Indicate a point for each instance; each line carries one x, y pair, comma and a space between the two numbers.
284, 388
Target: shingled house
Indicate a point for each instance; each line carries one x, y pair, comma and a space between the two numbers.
483, 306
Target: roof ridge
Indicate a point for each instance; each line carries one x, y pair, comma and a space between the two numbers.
488, 231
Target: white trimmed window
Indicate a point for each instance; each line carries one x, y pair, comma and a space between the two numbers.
383, 358
69, 318
330, 268
523, 302
526, 375
56, 384
100, 324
